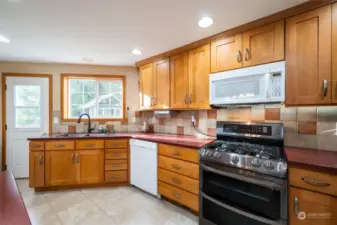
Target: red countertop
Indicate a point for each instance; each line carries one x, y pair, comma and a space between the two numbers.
12, 208
178, 140
311, 157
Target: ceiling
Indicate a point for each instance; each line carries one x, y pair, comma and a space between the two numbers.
104, 32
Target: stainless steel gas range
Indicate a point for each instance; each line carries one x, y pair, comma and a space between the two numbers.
243, 176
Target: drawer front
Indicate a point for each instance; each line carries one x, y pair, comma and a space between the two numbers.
186, 154
313, 180
116, 176
179, 166
180, 181
178, 195
117, 143
116, 154
116, 164
36, 145
89, 144
60, 145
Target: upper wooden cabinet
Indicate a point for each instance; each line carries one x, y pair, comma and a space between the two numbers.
179, 81
264, 44
36, 168
226, 54
334, 53
161, 84
308, 61
199, 70
146, 86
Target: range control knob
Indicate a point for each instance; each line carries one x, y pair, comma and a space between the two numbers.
235, 159
208, 153
216, 155
202, 152
269, 165
256, 163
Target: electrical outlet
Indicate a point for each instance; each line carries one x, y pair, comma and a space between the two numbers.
193, 119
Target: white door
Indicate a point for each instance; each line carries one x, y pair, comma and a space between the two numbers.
27, 115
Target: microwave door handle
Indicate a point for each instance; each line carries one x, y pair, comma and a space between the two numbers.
268, 78
239, 211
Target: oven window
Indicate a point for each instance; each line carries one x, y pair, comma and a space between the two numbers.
249, 197
220, 215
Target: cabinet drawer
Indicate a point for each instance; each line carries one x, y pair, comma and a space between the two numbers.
116, 164
313, 180
116, 154
118, 143
60, 145
116, 176
186, 154
180, 181
179, 166
178, 195
36, 145
89, 144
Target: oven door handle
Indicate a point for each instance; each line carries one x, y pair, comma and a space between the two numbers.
241, 212
259, 182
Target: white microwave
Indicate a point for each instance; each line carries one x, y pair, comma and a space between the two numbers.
252, 85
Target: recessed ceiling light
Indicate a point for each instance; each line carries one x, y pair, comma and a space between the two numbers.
4, 39
136, 52
205, 22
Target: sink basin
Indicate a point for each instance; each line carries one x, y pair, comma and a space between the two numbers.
98, 134
74, 135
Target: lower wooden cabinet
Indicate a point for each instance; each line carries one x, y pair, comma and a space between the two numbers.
61, 168
311, 208
36, 169
91, 166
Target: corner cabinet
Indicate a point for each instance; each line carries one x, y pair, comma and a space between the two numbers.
308, 62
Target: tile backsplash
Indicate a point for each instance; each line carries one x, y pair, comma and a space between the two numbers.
308, 127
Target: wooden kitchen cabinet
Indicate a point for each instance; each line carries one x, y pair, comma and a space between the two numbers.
264, 44
199, 70
308, 61
91, 166
179, 81
161, 84
334, 53
36, 169
146, 86
320, 209
226, 53
61, 168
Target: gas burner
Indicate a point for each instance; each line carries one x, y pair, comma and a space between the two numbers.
241, 151
265, 155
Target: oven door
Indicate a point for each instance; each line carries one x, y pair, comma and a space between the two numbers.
232, 196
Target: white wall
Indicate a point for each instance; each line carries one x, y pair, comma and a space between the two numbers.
131, 74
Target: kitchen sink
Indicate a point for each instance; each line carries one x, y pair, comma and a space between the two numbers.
82, 135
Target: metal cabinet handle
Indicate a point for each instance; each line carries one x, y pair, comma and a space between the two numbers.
176, 153
41, 160
115, 165
238, 56
89, 145
190, 99
155, 101
175, 180
36, 146
115, 154
177, 195
296, 207
176, 166
185, 99
116, 177
315, 183
325, 87
72, 158
247, 54
60, 146
77, 158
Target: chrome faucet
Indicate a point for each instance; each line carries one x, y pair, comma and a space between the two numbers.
89, 123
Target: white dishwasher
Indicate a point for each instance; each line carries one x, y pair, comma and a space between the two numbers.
144, 165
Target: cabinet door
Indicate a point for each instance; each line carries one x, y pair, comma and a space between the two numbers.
199, 70
146, 86
179, 81
226, 54
334, 53
308, 47
264, 44
91, 166
36, 169
161, 84
319, 209
60, 168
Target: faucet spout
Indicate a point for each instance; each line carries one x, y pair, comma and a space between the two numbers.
89, 122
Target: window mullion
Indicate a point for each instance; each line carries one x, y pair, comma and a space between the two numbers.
97, 98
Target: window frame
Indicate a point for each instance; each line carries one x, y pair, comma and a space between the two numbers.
64, 78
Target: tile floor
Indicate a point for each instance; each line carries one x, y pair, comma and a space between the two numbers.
101, 206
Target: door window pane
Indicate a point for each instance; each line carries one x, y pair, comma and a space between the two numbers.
27, 95
27, 117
